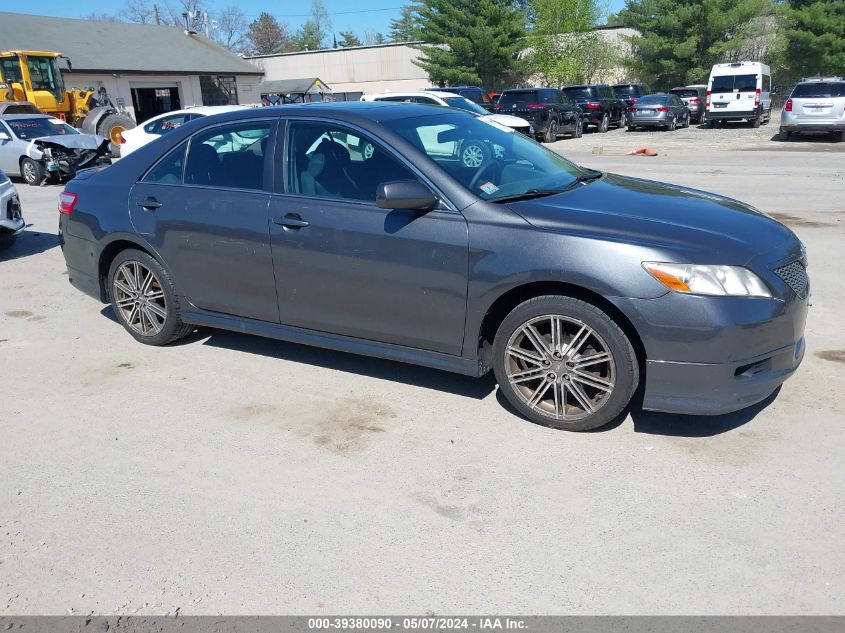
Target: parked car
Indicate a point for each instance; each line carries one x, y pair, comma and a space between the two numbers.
574, 286
601, 107
473, 93
451, 100
150, 130
694, 99
550, 111
38, 146
739, 91
658, 110
630, 93
11, 219
816, 104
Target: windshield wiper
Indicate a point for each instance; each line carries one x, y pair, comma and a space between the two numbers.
527, 195
589, 176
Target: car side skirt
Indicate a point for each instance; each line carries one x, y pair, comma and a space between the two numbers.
435, 360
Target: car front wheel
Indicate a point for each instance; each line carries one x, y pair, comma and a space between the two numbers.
144, 300
32, 172
564, 363
7, 238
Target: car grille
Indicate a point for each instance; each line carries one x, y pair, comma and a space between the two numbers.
795, 276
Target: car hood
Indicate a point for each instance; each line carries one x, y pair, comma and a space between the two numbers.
678, 222
71, 141
506, 120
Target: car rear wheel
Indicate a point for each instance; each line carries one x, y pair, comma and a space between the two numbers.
605, 121
32, 172
783, 135
673, 123
7, 238
551, 131
579, 129
144, 299
631, 128
755, 122
564, 363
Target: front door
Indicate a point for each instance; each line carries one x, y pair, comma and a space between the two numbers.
209, 220
345, 266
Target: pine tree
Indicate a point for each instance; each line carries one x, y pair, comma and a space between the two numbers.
405, 27
473, 42
815, 35
267, 35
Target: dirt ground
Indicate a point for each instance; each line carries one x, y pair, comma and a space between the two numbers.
236, 475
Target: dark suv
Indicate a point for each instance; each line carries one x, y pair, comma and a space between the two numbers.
601, 107
550, 111
473, 93
630, 93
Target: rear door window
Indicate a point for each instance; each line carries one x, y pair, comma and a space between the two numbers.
734, 83
230, 156
168, 171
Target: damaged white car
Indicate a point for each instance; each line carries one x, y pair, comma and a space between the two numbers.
38, 146
11, 220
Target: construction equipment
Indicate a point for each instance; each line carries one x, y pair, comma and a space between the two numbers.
35, 76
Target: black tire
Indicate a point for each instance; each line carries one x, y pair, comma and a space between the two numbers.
579, 129
623, 369
110, 127
172, 328
755, 122
783, 135
631, 128
551, 131
7, 238
687, 120
475, 154
670, 127
33, 172
604, 123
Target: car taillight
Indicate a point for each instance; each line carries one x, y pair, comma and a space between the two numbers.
632, 109
757, 97
592, 105
663, 109
632, 101
788, 105
695, 100
708, 99
535, 106
67, 201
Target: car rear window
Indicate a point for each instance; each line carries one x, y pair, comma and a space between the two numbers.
579, 93
625, 91
528, 96
660, 99
684, 93
820, 89
734, 83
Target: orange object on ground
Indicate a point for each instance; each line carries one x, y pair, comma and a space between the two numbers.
642, 151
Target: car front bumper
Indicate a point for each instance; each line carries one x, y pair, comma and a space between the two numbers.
714, 355
11, 217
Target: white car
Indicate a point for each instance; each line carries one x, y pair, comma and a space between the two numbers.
130, 140
451, 100
11, 220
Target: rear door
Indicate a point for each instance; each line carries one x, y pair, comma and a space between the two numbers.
207, 216
731, 94
818, 100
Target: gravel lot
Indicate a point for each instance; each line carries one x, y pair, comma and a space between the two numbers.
237, 475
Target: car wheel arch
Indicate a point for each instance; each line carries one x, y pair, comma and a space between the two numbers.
508, 300
110, 251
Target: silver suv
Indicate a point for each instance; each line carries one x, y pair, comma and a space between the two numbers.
817, 104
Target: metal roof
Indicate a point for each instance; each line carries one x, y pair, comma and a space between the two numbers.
97, 47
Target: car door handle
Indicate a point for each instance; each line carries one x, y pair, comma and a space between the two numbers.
291, 221
150, 204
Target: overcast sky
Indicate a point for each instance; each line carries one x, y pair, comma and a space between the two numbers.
357, 15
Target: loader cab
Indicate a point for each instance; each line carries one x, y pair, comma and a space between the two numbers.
34, 76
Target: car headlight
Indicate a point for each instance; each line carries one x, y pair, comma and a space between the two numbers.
720, 281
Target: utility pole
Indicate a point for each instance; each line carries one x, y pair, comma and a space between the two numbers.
157, 16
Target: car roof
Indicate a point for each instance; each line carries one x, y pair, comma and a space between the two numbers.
23, 117
416, 93
526, 89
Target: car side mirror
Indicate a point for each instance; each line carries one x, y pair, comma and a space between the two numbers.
405, 194
5, 137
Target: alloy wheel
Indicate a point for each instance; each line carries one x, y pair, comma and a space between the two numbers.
29, 172
139, 298
560, 367
472, 156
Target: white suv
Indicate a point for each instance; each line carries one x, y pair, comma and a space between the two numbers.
817, 104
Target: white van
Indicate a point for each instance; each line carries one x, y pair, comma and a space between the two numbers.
739, 90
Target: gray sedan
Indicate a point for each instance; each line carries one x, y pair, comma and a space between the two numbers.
662, 110
38, 146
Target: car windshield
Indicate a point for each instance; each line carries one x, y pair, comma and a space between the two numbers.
527, 96
822, 89
654, 99
488, 159
579, 93
465, 104
36, 128
734, 83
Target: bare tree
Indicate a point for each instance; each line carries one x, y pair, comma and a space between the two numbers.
139, 11
194, 9
101, 17
230, 28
